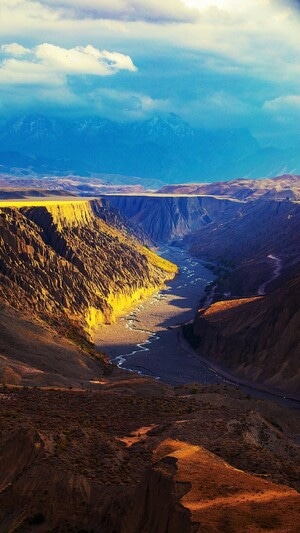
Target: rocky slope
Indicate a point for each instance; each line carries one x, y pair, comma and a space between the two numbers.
167, 218
135, 457
255, 338
61, 263
32, 353
245, 242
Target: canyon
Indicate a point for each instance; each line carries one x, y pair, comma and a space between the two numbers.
256, 339
88, 446
66, 268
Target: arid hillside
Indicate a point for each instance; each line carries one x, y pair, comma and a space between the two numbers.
255, 338
279, 188
139, 457
33, 353
246, 241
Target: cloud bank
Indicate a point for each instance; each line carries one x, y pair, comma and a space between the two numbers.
156, 11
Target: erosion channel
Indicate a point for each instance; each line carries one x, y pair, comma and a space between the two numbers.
146, 339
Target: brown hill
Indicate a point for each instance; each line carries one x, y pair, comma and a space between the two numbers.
32, 353
279, 188
256, 338
135, 458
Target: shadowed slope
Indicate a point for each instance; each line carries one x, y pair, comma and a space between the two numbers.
257, 338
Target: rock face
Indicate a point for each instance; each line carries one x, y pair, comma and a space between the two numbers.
256, 338
167, 218
61, 262
247, 242
255, 230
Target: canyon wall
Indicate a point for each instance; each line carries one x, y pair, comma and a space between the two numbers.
169, 218
255, 338
61, 262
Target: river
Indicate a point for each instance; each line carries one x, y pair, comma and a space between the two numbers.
145, 340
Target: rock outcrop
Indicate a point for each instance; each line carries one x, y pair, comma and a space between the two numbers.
61, 262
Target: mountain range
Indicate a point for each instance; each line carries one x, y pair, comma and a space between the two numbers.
162, 148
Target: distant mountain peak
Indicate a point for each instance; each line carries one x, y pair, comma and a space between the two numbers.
163, 147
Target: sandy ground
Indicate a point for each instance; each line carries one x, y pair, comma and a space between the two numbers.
146, 339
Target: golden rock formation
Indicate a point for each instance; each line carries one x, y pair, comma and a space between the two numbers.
64, 264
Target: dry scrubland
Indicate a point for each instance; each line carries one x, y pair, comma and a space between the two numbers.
139, 456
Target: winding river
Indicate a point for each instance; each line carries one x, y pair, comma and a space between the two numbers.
146, 339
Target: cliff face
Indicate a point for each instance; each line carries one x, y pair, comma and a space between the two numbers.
245, 242
256, 229
256, 338
166, 218
61, 262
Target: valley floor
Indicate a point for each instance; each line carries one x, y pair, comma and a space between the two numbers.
146, 339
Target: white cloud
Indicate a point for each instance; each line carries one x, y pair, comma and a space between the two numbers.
259, 36
126, 105
50, 64
290, 102
14, 49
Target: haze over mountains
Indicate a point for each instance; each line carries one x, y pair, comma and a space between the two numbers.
164, 147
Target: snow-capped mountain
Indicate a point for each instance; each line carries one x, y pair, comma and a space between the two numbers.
163, 147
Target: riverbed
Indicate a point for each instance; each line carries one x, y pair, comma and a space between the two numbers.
145, 340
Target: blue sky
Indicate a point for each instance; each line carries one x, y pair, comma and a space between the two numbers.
217, 63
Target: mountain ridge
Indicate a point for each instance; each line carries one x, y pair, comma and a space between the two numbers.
164, 147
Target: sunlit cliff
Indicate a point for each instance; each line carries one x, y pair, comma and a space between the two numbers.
60, 261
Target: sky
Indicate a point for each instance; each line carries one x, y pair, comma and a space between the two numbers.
216, 63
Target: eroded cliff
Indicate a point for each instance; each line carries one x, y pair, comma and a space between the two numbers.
167, 218
256, 338
61, 262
